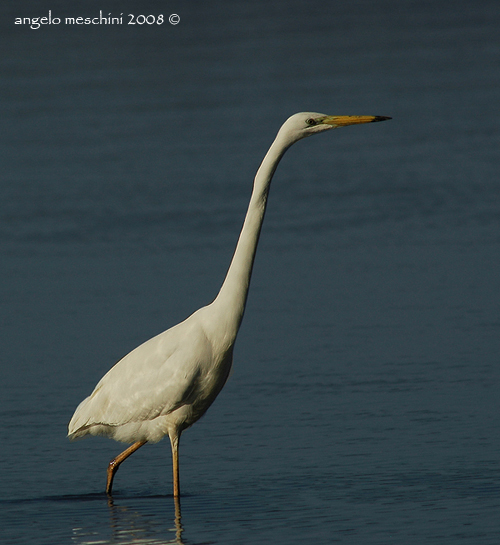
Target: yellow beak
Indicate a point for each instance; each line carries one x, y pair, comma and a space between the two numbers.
344, 120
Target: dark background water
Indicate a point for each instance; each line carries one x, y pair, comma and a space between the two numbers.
363, 406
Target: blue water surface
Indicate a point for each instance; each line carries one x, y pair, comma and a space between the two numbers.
363, 406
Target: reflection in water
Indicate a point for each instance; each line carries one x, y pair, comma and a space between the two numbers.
128, 525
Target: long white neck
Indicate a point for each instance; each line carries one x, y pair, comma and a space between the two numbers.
229, 304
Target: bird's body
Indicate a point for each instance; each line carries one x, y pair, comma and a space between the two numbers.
166, 384
163, 385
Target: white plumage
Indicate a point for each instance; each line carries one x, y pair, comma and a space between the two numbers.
166, 384
156, 388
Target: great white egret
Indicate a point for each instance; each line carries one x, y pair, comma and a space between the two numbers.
166, 384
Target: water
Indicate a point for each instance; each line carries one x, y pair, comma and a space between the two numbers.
363, 404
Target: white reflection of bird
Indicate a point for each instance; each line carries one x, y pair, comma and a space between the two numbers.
166, 384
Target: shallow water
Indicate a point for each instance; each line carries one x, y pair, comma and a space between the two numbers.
363, 403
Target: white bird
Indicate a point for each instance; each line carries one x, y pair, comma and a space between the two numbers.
166, 384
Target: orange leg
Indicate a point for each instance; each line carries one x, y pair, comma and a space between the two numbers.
174, 440
115, 463
178, 520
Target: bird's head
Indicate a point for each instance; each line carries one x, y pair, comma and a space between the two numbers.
304, 124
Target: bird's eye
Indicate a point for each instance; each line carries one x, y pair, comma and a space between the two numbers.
310, 122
